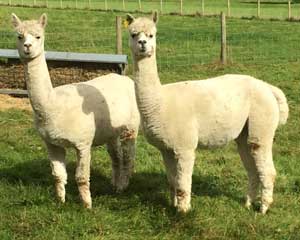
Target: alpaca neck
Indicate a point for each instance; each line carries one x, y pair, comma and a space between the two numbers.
148, 89
39, 85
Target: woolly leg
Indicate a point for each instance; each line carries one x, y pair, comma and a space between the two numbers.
83, 175
115, 151
57, 158
183, 180
170, 166
266, 171
249, 164
128, 150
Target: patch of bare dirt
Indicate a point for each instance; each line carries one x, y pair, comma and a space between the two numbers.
7, 102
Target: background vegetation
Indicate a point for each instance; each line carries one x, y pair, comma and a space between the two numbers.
188, 49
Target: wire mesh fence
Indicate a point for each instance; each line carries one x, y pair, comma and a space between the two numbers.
237, 8
182, 41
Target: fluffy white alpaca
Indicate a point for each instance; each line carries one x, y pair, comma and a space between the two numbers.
177, 118
100, 111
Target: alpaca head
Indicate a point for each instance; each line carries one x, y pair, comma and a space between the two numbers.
142, 39
30, 36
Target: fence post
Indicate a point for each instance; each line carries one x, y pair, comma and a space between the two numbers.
290, 10
181, 7
61, 4
228, 8
119, 35
258, 8
161, 6
9, 2
124, 5
105, 3
89, 4
34, 2
202, 6
140, 5
223, 39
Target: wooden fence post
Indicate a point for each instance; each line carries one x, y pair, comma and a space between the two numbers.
105, 5
124, 5
290, 10
118, 35
161, 6
228, 8
258, 8
61, 4
223, 39
181, 7
140, 5
202, 7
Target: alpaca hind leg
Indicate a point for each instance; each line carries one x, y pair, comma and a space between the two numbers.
128, 155
115, 151
264, 161
183, 179
83, 175
58, 166
249, 164
170, 166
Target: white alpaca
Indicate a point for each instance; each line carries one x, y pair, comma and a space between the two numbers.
177, 118
100, 111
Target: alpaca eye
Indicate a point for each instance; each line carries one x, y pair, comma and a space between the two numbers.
20, 37
38, 37
133, 35
151, 36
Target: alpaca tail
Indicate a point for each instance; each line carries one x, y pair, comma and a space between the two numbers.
282, 104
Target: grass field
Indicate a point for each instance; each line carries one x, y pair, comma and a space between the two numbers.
239, 8
188, 49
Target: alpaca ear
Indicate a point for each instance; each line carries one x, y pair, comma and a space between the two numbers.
129, 18
15, 20
43, 20
155, 16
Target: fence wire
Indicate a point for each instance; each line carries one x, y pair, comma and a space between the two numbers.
182, 41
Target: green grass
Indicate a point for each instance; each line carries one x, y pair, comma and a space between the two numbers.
239, 8
188, 48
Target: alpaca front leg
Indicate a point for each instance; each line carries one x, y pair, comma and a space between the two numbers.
170, 166
83, 176
183, 180
57, 158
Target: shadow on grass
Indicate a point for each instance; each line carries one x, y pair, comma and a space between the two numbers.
149, 189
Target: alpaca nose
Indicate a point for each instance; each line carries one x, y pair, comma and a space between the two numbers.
27, 45
142, 42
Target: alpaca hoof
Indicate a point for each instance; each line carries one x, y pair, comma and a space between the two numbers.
183, 208
263, 209
61, 199
87, 205
248, 204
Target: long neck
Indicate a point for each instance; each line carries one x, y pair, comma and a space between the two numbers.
39, 85
148, 88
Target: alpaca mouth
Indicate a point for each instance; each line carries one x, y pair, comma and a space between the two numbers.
26, 52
